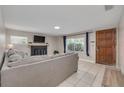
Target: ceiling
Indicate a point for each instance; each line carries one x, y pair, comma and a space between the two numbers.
70, 18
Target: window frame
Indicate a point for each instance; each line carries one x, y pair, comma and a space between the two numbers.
17, 37
74, 37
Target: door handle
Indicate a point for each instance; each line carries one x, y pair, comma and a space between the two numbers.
97, 49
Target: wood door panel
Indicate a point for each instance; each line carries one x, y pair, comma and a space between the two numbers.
102, 54
105, 44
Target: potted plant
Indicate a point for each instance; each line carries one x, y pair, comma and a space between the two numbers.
56, 52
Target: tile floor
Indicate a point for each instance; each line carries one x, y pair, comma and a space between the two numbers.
88, 75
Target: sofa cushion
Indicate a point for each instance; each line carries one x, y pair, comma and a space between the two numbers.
11, 52
22, 54
27, 60
14, 57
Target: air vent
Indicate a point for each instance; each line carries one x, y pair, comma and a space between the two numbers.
108, 7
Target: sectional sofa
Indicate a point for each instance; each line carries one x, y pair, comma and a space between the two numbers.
39, 71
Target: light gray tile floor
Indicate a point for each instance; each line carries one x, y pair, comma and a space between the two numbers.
88, 75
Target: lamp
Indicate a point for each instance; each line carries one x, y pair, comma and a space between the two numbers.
10, 46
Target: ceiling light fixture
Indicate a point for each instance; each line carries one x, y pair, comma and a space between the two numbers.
57, 27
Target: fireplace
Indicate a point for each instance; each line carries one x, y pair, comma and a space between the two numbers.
38, 50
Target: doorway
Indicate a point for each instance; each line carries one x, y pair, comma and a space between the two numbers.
106, 47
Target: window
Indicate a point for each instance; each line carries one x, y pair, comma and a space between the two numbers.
19, 40
75, 44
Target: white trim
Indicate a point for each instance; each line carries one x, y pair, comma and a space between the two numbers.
117, 50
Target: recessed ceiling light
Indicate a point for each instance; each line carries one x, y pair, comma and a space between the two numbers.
56, 27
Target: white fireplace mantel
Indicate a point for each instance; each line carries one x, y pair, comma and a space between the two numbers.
37, 44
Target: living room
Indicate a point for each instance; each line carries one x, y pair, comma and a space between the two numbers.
85, 43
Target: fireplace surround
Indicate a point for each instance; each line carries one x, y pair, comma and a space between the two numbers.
38, 50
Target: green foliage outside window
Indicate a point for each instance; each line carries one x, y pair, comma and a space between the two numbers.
75, 44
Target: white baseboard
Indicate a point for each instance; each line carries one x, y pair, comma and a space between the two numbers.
86, 60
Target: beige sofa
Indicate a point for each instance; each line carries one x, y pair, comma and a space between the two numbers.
49, 72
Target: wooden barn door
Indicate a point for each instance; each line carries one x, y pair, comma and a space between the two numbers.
106, 47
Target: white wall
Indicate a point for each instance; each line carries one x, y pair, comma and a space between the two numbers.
121, 43
2, 35
60, 44
92, 49
54, 43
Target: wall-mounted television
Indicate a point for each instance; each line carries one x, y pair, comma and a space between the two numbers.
39, 39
